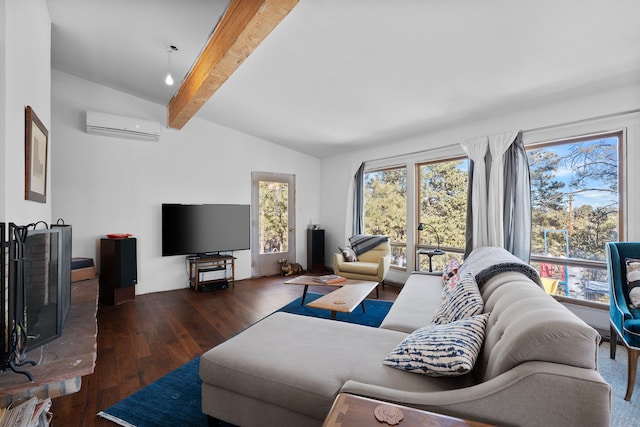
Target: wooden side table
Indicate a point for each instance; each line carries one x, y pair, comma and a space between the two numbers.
350, 410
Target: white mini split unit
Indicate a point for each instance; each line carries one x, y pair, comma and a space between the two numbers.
122, 127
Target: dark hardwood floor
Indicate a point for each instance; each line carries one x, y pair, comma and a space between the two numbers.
138, 342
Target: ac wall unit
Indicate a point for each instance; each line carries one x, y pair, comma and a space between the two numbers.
122, 127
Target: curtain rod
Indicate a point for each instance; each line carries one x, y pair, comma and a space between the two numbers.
541, 128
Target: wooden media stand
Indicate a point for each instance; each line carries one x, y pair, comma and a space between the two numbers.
210, 264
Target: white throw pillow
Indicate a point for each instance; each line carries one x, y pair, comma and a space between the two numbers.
461, 301
441, 350
348, 254
633, 281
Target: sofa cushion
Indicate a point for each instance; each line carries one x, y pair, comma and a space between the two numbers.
461, 301
441, 350
301, 362
415, 305
633, 281
527, 324
360, 267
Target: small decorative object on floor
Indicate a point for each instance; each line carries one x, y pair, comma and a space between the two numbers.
329, 278
288, 268
388, 414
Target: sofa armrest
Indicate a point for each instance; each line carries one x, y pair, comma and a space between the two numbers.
506, 399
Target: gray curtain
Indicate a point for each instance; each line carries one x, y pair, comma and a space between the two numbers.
469, 229
517, 201
358, 201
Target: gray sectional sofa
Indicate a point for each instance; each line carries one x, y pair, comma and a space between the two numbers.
537, 366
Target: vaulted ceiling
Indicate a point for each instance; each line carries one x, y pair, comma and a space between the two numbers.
341, 74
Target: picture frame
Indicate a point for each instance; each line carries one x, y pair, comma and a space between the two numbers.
35, 160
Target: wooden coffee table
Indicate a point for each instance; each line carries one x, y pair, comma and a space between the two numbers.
307, 281
345, 299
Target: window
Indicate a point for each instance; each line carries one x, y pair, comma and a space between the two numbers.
576, 208
273, 217
442, 208
385, 209
576, 205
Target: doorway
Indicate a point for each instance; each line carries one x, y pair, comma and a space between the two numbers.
273, 222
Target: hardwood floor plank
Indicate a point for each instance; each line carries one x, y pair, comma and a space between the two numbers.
140, 341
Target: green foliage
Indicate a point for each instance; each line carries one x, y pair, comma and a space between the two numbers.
443, 202
385, 209
274, 217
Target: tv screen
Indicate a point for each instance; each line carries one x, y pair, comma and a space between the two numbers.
204, 229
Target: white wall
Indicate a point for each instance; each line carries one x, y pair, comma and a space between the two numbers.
3, 98
25, 79
109, 185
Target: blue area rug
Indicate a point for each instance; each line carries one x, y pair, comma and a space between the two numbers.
174, 400
375, 311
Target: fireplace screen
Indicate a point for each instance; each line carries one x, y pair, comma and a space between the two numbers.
35, 293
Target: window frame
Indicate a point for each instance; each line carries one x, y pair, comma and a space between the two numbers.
620, 134
394, 244
429, 246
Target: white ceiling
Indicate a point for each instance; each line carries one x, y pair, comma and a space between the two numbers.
339, 74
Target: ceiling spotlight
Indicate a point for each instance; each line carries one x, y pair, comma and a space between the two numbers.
169, 79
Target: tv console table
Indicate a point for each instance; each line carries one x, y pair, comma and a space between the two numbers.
210, 264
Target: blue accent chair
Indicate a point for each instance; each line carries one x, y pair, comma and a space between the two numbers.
624, 320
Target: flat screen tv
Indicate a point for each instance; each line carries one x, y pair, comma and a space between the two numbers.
204, 229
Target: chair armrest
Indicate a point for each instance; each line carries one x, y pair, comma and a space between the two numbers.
383, 265
338, 259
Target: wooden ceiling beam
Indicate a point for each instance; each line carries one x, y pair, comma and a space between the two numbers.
244, 25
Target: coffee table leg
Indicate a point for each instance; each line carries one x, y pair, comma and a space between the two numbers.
304, 293
362, 304
333, 315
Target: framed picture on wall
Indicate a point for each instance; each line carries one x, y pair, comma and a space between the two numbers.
35, 161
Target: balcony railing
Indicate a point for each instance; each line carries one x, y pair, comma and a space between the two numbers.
578, 279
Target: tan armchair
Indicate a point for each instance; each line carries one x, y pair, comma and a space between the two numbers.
372, 265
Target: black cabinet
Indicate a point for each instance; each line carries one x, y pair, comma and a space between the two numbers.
315, 251
118, 270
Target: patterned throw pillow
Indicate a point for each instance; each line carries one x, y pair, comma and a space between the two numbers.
462, 301
450, 270
450, 285
441, 350
633, 281
349, 254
